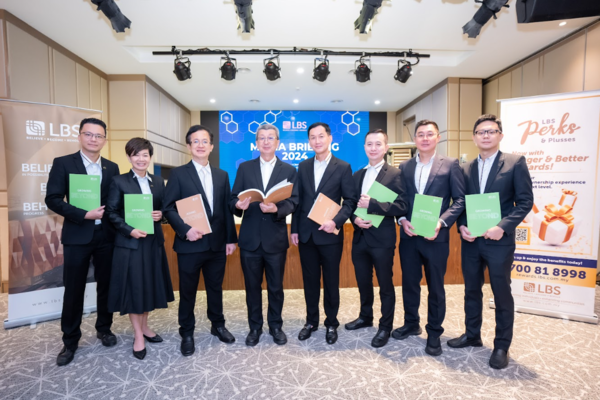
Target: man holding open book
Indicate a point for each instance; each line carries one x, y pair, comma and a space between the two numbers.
374, 241
429, 182
322, 182
263, 237
506, 176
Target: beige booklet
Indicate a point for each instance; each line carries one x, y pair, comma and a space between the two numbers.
191, 210
281, 191
324, 209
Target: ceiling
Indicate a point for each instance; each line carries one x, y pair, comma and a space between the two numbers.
426, 26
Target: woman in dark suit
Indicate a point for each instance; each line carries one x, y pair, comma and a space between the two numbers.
140, 280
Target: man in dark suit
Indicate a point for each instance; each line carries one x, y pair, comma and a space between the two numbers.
320, 248
86, 235
200, 251
431, 174
374, 247
263, 235
506, 174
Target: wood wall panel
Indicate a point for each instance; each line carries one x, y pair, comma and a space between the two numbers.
563, 67
592, 59
65, 80
95, 92
83, 86
531, 78
516, 82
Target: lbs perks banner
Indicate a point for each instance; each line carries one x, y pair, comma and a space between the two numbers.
34, 134
554, 272
237, 136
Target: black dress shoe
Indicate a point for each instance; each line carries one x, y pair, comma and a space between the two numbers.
464, 341
187, 346
433, 347
108, 338
499, 359
331, 335
405, 331
278, 336
253, 337
140, 354
306, 331
65, 356
154, 339
223, 334
381, 338
357, 324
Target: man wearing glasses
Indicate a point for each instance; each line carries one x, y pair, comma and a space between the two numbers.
85, 235
263, 237
506, 174
431, 174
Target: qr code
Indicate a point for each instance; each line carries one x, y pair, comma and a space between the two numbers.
522, 235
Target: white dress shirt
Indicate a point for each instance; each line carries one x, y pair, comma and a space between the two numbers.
370, 176
484, 170
144, 182
205, 175
422, 173
320, 167
93, 168
266, 170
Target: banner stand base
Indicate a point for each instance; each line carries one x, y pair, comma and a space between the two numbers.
592, 319
15, 323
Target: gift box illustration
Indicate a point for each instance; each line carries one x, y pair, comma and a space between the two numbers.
557, 224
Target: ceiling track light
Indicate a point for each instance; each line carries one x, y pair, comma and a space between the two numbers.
112, 11
405, 71
488, 9
228, 68
272, 69
362, 70
364, 22
182, 67
321, 70
243, 9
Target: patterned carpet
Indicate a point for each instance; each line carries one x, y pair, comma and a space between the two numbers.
550, 359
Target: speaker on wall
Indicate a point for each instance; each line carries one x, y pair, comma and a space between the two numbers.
552, 10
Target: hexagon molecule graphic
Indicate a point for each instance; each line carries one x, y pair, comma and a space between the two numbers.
351, 126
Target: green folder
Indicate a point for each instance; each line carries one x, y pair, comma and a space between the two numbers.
138, 212
425, 214
382, 195
84, 191
483, 212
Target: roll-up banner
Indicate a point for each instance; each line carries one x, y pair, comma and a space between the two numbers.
554, 272
34, 134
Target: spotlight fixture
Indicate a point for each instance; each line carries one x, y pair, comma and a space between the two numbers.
321, 70
182, 67
112, 11
488, 9
228, 68
364, 21
404, 72
272, 70
244, 15
362, 70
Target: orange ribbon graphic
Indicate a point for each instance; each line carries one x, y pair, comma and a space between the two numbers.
555, 214
568, 193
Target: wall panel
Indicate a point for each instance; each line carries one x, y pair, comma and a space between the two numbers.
592, 59
531, 78
95, 92
563, 67
83, 86
65, 80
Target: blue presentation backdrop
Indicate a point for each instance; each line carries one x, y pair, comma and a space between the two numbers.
237, 136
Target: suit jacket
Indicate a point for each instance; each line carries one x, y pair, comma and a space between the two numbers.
385, 235
185, 182
336, 184
76, 229
258, 228
509, 177
115, 207
446, 180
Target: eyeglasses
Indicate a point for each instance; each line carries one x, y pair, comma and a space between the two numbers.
428, 135
266, 139
489, 132
204, 142
90, 135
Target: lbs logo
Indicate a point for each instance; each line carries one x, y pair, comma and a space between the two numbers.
293, 125
546, 289
35, 128
38, 128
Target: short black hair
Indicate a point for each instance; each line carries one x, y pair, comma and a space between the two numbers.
316, 124
94, 121
488, 117
426, 122
196, 128
377, 131
135, 145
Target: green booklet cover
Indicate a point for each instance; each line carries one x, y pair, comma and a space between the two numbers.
483, 212
382, 195
425, 214
84, 191
138, 212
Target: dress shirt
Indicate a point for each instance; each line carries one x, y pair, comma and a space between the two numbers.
370, 176
266, 169
320, 167
144, 182
205, 175
422, 173
484, 167
93, 168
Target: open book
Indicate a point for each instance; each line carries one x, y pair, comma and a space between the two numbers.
192, 212
324, 209
281, 191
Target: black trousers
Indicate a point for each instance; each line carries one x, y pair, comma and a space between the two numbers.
76, 267
475, 257
417, 252
365, 258
316, 259
212, 265
254, 264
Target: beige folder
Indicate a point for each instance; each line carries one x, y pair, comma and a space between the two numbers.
324, 209
279, 192
191, 210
